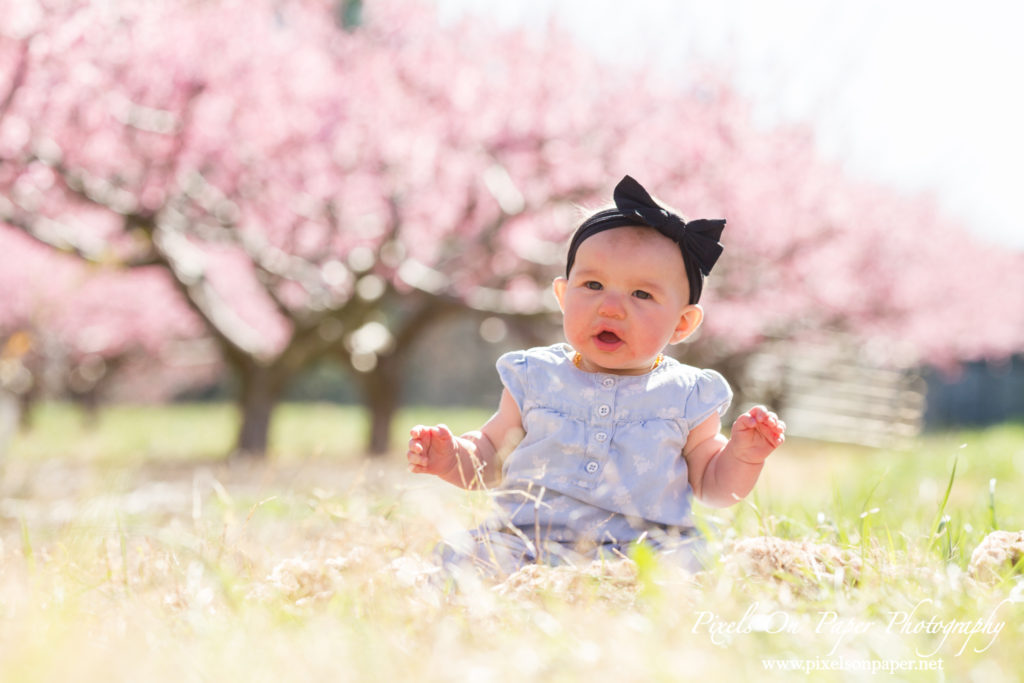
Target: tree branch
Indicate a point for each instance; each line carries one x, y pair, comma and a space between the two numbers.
66, 239
20, 72
184, 261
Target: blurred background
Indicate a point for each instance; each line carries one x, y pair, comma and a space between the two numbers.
365, 202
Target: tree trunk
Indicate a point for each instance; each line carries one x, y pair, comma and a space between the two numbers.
381, 389
89, 403
26, 417
259, 394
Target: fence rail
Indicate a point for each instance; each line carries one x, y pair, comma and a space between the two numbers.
831, 390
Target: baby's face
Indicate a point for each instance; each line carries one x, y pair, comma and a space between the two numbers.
625, 300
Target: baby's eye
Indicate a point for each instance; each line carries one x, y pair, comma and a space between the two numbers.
641, 294
592, 284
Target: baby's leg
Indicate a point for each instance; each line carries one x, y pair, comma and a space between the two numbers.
493, 553
686, 550
689, 553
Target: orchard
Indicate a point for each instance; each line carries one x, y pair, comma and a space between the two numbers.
293, 190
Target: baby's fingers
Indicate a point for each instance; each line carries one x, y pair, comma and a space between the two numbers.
766, 423
745, 421
772, 435
419, 447
766, 417
772, 429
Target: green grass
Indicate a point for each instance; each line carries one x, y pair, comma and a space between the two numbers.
814, 486
206, 431
134, 551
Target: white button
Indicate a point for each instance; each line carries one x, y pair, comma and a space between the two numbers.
604, 410
601, 436
608, 381
592, 467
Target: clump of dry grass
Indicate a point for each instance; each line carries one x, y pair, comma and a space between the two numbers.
614, 582
803, 564
1000, 553
308, 580
302, 580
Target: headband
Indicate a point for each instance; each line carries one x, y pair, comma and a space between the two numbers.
697, 240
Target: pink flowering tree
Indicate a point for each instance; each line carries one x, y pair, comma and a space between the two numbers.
69, 327
313, 193
813, 250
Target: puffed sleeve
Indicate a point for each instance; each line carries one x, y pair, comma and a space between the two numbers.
710, 394
512, 371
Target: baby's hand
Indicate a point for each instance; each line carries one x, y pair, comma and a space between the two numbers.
431, 450
757, 433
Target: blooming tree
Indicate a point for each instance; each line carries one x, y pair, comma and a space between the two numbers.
310, 192
67, 326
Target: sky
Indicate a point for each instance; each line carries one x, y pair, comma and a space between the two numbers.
923, 95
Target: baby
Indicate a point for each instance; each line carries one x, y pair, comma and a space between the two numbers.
604, 441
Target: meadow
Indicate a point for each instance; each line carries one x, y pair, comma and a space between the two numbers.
132, 550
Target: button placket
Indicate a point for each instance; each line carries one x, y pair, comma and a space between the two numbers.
601, 425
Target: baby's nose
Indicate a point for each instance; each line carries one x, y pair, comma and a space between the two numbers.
611, 306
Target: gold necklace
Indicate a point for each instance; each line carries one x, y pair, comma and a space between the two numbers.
577, 360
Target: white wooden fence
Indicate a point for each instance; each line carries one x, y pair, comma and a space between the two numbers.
833, 390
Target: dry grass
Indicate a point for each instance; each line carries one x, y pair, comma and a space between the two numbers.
321, 569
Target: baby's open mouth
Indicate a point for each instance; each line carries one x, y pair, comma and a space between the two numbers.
608, 337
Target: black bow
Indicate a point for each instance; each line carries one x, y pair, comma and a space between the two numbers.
697, 240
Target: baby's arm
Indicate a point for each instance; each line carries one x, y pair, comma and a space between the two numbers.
722, 471
472, 460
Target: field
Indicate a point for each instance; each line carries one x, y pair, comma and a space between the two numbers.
133, 551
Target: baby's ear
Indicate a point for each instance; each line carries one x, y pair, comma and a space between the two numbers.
559, 286
689, 321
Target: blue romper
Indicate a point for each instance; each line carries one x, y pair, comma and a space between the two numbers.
601, 463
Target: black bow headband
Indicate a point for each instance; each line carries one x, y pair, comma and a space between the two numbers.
697, 240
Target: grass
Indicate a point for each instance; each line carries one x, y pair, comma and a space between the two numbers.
190, 432
134, 552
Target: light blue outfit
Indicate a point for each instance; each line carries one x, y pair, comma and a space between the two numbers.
600, 466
